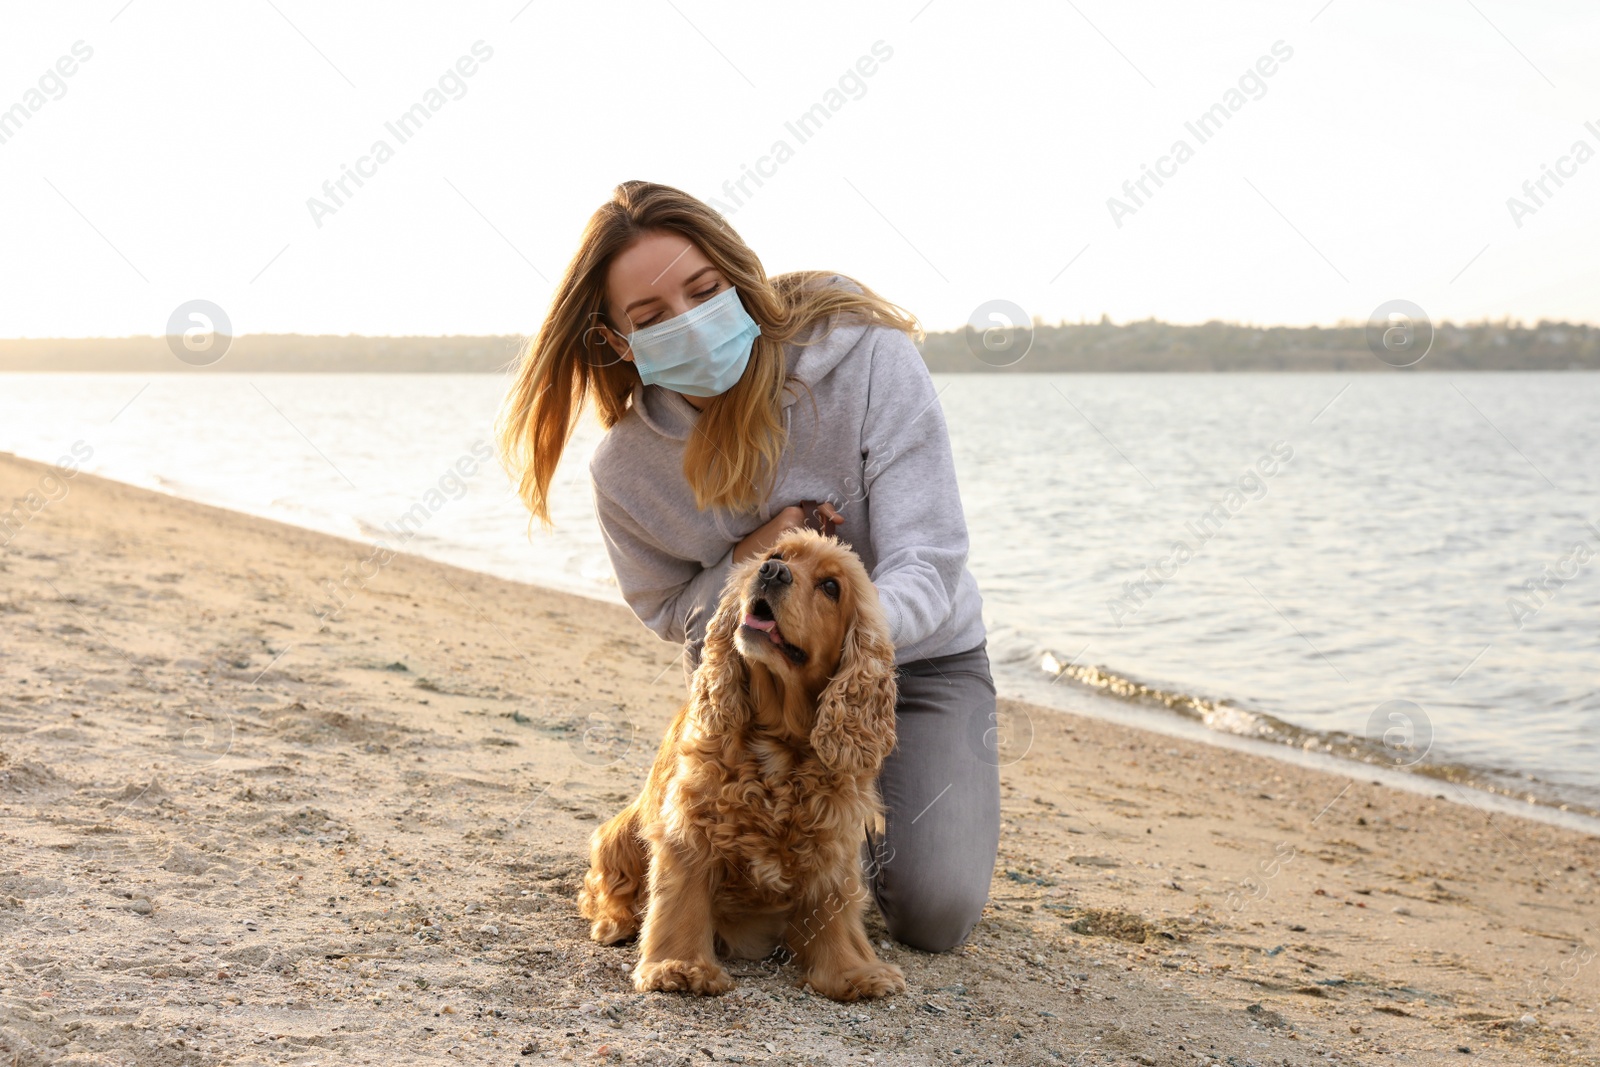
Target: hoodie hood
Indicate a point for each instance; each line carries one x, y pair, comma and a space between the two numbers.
670, 415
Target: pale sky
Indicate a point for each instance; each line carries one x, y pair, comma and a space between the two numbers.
973, 163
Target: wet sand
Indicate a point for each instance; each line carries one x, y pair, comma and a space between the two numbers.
235, 831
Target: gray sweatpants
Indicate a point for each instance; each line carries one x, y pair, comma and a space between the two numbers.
930, 868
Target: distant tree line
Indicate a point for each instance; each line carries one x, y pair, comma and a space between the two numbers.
1152, 345
266, 353
1101, 346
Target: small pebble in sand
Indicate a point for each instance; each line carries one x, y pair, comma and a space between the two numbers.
489, 928
1402, 911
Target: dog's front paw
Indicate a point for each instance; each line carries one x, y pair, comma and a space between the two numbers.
609, 931
705, 977
876, 979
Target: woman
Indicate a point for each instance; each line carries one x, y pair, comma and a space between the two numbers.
695, 361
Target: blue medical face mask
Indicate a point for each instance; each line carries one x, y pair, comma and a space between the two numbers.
702, 352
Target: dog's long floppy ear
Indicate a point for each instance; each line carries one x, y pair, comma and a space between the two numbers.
721, 683
855, 730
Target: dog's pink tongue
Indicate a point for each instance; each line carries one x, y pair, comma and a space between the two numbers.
769, 626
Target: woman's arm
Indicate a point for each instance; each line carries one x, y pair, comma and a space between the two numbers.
919, 532
662, 589
760, 539
675, 597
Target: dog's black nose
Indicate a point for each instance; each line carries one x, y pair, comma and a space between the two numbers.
775, 572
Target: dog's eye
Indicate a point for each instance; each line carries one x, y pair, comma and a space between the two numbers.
830, 587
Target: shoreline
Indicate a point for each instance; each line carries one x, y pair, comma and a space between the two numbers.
1124, 699
1121, 698
367, 836
1141, 717
1333, 752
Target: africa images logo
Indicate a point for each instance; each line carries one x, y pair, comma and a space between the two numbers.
406, 126
1205, 126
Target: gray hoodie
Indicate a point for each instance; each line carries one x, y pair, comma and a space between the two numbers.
876, 448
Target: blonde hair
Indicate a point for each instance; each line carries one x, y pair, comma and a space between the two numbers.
731, 457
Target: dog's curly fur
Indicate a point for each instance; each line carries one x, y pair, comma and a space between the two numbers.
747, 835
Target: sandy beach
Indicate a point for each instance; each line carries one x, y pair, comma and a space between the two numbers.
237, 828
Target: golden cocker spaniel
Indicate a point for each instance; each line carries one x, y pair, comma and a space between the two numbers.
747, 835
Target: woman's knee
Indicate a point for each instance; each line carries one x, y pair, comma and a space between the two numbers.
935, 916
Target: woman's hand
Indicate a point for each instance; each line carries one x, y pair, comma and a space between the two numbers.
760, 539
821, 516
